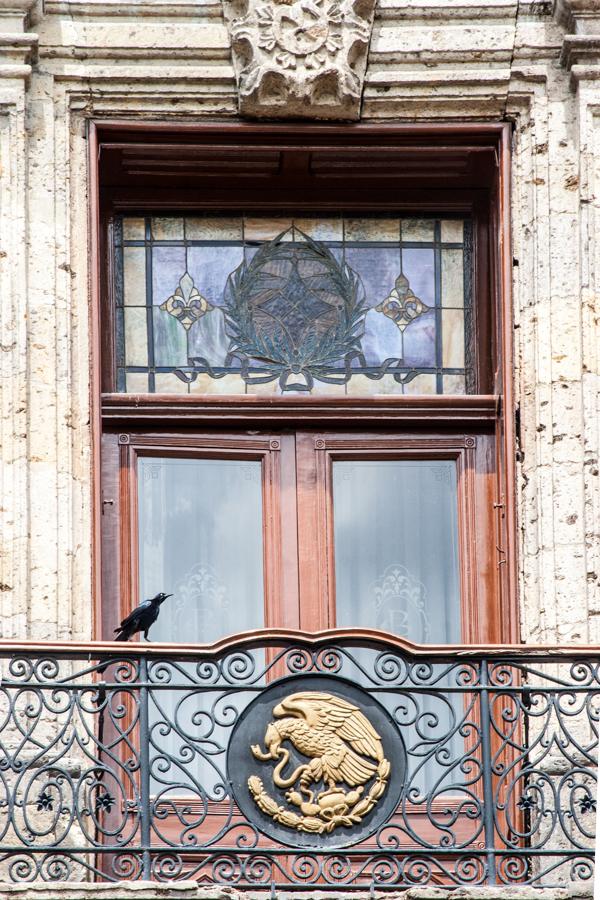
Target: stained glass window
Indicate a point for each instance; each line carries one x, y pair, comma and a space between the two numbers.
257, 305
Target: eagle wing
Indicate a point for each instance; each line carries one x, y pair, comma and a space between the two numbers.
332, 714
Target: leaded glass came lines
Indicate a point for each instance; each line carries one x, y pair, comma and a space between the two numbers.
250, 304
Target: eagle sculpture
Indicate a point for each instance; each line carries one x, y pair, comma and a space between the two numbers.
337, 738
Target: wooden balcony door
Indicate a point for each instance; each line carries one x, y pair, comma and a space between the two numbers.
300, 529
303, 529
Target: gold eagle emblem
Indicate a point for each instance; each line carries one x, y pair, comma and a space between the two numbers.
344, 753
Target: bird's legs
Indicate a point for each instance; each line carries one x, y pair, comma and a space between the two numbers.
310, 775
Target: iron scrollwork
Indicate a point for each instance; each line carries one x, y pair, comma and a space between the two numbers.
117, 768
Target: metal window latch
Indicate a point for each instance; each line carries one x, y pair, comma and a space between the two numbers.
107, 502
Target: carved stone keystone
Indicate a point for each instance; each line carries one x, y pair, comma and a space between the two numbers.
300, 58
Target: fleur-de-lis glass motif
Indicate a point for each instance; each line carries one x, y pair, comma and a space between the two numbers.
186, 303
401, 305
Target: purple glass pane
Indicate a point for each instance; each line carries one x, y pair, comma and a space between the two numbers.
168, 267
382, 339
210, 268
378, 268
419, 341
419, 269
208, 340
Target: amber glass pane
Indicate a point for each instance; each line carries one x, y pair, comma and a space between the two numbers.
396, 547
324, 305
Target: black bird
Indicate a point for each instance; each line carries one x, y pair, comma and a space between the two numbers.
142, 617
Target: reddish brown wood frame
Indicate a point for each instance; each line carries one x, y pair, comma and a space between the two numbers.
141, 167
120, 544
316, 453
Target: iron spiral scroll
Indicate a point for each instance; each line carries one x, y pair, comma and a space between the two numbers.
138, 763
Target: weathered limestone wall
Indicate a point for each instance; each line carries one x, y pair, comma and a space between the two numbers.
63, 62
554, 102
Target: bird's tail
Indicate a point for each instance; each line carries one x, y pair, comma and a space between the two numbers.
122, 636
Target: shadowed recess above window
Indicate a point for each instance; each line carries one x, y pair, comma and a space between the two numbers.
322, 305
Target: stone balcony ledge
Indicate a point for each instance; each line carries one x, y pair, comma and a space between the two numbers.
190, 890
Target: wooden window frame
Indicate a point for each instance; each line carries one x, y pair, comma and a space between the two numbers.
120, 540
469, 452
453, 168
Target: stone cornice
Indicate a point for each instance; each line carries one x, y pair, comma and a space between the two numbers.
17, 52
578, 49
149, 9
20, 6
580, 52
16, 15
18, 49
579, 16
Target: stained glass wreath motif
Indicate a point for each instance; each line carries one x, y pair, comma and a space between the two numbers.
295, 313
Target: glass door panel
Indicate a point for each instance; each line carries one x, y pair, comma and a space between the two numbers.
200, 526
201, 538
397, 570
396, 547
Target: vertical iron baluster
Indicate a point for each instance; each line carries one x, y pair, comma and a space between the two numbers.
486, 760
144, 770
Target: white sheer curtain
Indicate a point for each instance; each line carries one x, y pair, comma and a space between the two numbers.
396, 547
200, 527
396, 569
200, 538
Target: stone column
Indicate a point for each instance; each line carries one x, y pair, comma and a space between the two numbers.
17, 50
580, 56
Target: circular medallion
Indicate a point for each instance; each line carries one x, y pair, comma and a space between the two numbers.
316, 761
301, 28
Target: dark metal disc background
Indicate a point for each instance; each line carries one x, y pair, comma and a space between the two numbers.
250, 729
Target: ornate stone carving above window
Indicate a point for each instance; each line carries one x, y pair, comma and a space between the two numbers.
300, 58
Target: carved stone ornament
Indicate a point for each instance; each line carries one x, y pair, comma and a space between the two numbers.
300, 58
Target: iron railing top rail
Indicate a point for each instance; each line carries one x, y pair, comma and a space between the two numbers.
278, 637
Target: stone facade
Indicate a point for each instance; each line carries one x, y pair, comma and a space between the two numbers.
428, 61
62, 62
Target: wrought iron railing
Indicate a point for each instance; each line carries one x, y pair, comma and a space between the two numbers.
346, 759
